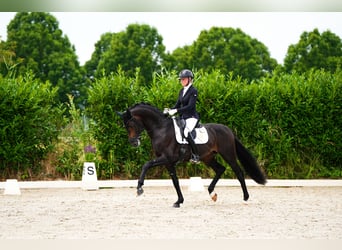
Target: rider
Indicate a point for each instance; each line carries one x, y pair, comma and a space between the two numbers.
186, 107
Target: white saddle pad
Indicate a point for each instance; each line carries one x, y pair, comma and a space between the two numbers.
201, 134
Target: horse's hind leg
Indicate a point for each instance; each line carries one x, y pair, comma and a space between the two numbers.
241, 177
228, 153
219, 170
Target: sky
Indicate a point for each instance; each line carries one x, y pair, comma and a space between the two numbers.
276, 30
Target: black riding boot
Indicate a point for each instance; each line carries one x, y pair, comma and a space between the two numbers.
194, 156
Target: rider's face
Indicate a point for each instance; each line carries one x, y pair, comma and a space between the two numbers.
184, 81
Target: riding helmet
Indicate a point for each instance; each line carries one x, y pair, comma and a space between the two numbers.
185, 73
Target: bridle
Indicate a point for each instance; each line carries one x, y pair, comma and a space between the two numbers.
137, 127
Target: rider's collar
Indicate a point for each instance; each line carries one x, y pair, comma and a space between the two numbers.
186, 88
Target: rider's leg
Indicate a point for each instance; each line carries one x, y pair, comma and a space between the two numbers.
194, 156
190, 125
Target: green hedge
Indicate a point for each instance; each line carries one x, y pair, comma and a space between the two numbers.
29, 125
292, 123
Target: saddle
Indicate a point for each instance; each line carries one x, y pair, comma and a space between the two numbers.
199, 134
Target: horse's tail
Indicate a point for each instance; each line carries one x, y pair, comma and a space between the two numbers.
249, 163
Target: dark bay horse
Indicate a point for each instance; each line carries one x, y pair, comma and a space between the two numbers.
169, 152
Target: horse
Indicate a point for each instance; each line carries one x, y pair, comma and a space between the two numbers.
168, 152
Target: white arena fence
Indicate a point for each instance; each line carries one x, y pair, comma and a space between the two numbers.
183, 182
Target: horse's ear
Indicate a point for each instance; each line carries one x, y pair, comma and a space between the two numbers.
124, 115
120, 114
127, 114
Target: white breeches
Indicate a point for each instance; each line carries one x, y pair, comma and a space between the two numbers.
190, 124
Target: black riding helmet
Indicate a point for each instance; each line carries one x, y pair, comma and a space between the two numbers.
185, 73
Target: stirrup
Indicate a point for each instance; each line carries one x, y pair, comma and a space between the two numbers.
195, 159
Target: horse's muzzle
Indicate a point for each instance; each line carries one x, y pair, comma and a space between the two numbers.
135, 142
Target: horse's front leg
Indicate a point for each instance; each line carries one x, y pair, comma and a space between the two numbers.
175, 181
156, 162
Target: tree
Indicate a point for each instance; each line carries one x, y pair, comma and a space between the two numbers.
314, 51
140, 46
180, 58
8, 59
46, 52
228, 50
101, 47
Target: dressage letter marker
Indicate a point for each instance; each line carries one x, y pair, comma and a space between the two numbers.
89, 177
196, 184
12, 187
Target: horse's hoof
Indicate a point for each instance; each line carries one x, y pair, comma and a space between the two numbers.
213, 196
140, 191
177, 205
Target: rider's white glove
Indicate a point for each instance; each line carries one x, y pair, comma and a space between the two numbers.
166, 111
172, 111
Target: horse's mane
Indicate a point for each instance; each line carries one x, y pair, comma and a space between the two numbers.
148, 106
